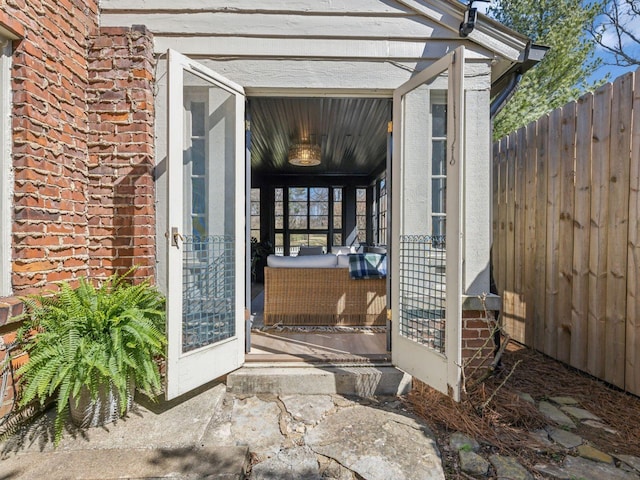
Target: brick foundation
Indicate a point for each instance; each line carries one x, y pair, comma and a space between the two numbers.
477, 338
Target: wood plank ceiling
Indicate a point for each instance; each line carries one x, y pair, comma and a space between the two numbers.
352, 134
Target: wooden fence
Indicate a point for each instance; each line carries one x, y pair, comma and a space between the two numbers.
566, 233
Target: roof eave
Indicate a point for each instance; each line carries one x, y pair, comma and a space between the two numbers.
488, 33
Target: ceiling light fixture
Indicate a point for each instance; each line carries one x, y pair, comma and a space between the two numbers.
305, 154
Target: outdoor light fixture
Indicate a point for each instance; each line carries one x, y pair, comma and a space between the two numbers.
469, 21
304, 154
470, 17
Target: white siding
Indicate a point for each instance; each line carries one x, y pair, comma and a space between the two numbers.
248, 6
407, 33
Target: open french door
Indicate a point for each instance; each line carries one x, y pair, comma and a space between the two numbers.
427, 224
206, 225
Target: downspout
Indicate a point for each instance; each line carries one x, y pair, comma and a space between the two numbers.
533, 54
505, 94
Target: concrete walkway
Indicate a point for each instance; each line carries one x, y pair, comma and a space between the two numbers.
219, 435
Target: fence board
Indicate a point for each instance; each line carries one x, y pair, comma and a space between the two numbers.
502, 245
632, 370
618, 216
598, 233
541, 226
565, 231
508, 300
530, 231
569, 232
519, 308
495, 215
581, 229
554, 156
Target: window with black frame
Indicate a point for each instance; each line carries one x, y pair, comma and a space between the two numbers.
307, 216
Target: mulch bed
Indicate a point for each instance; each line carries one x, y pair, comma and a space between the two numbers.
504, 424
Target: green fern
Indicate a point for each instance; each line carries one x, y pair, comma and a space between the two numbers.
91, 336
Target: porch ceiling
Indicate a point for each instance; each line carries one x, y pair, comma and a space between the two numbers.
352, 133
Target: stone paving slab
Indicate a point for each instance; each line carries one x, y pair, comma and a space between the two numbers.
459, 441
591, 453
601, 426
211, 434
564, 400
580, 413
580, 468
289, 464
565, 438
555, 414
309, 409
508, 468
377, 445
472, 463
633, 462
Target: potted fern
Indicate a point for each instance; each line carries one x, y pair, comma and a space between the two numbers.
90, 346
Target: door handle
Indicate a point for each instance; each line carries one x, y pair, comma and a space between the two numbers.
175, 235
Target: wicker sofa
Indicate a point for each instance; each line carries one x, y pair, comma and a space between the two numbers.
318, 294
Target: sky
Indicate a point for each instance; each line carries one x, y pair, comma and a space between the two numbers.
612, 70
633, 24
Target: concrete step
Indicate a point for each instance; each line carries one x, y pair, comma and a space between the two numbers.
362, 381
176, 463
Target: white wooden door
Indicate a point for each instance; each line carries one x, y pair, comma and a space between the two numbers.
206, 225
426, 184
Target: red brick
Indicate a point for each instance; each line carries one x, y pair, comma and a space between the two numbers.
476, 322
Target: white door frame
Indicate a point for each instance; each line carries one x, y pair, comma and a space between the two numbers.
188, 370
440, 370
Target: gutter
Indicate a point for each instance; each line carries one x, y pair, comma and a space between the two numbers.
532, 56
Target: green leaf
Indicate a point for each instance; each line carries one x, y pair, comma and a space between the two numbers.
90, 337
561, 76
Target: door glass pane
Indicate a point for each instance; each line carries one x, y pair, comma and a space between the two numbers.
197, 149
198, 194
423, 258
438, 195
209, 247
439, 114
298, 222
319, 222
255, 214
319, 194
298, 195
279, 244
297, 208
439, 165
361, 214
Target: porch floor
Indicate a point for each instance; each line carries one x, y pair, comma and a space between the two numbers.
319, 347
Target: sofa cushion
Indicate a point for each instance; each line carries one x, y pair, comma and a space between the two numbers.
343, 250
305, 250
368, 265
308, 261
343, 261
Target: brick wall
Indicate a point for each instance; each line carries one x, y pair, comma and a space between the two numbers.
82, 150
82, 145
49, 121
121, 212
